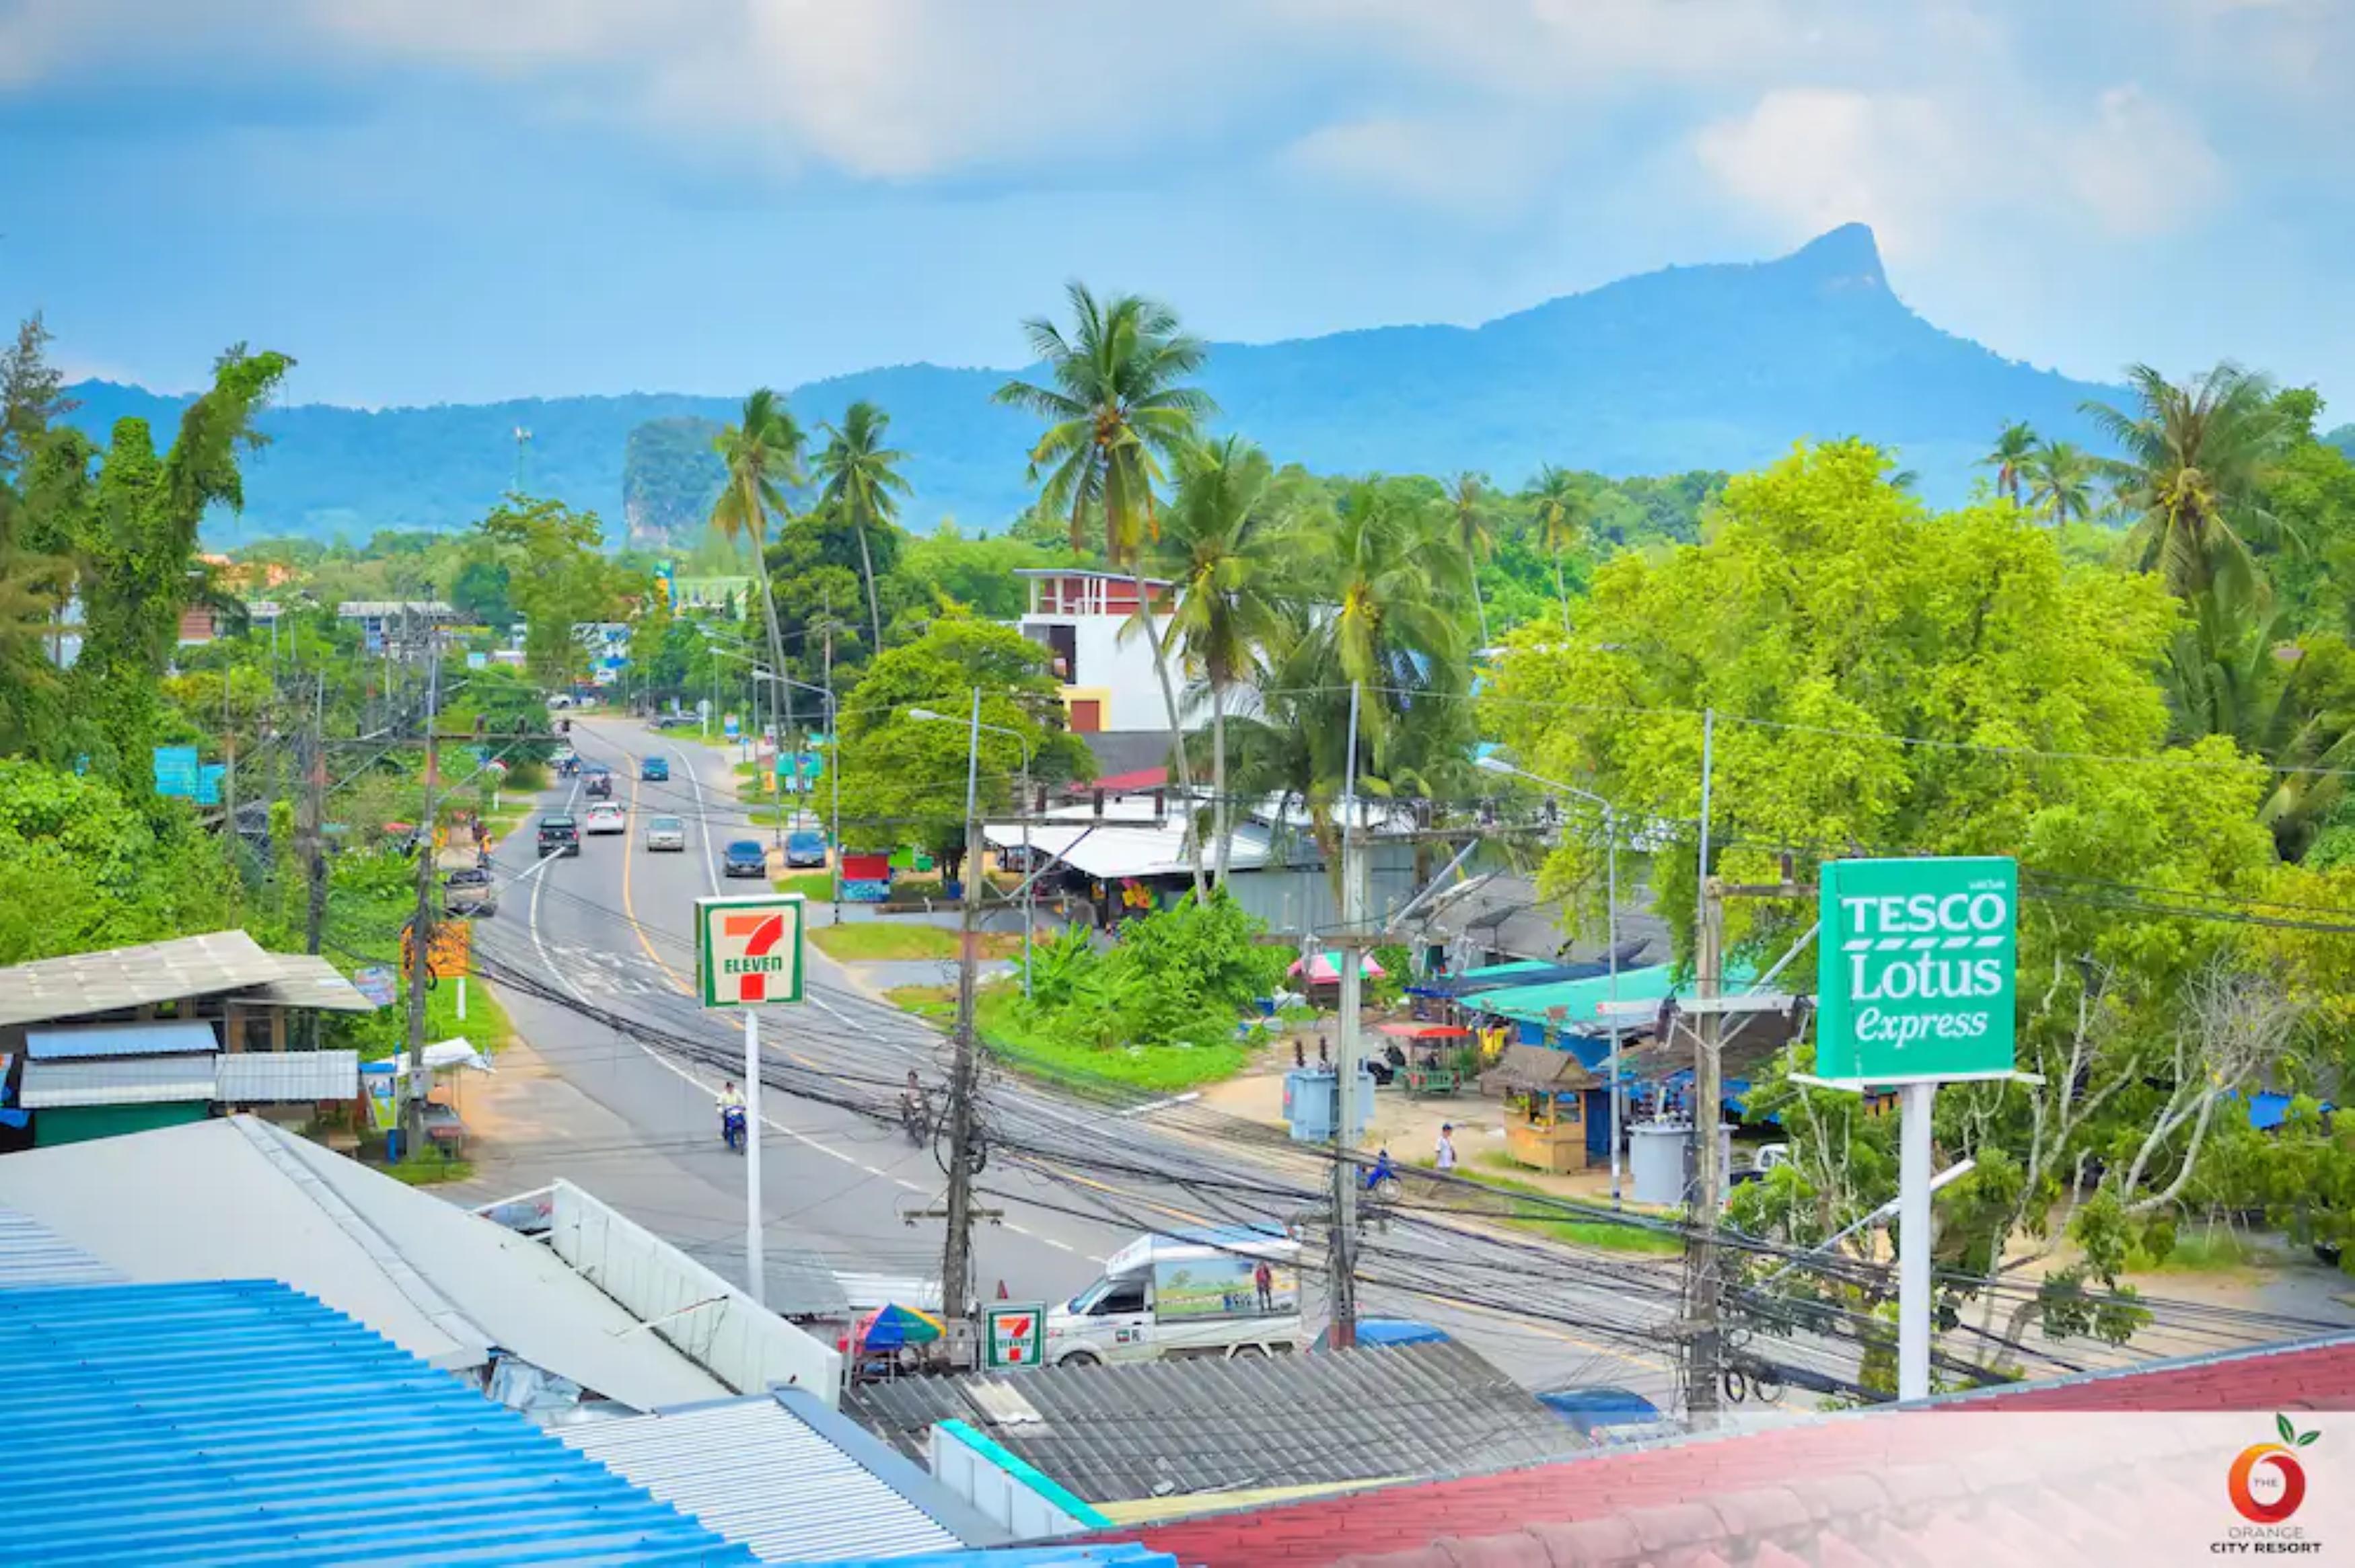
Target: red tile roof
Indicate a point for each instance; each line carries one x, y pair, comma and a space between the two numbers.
1703, 1494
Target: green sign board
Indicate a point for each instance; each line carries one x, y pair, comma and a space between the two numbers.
1915, 973
748, 950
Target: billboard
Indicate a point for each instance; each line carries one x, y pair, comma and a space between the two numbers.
1223, 1286
1915, 968
748, 950
1014, 1333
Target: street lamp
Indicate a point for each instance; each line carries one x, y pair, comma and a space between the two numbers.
1611, 923
972, 766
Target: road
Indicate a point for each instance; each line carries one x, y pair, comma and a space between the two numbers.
611, 929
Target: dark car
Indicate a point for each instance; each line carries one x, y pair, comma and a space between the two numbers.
598, 786
559, 834
653, 769
805, 848
745, 857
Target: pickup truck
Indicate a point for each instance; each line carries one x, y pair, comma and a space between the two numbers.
1221, 1292
559, 834
469, 890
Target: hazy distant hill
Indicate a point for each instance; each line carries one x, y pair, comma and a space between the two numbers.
1716, 366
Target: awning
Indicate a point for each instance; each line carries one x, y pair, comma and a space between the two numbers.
1580, 1005
1540, 1068
1109, 851
285, 1077
447, 1055
1324, 968
116, 1080
159, 1037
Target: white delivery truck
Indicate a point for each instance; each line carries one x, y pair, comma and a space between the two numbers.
1230, 1292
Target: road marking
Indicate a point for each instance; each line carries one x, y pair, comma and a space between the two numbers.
1189, 1097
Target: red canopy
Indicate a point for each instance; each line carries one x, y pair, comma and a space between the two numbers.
1410, 1029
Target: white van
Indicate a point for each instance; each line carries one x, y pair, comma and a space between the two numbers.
1231, 1292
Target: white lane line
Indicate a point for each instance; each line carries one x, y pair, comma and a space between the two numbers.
702, 820
911, 1186
1187, 1099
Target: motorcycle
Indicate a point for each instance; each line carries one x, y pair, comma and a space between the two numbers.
731, 1128
916, 1117
1381, 1179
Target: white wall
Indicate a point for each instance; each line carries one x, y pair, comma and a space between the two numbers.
700, 1315
992, 1482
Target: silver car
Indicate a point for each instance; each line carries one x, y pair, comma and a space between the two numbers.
665, 833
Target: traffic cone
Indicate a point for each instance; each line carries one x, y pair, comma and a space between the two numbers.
1001, 1290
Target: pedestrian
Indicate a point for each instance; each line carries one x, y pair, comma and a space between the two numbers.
1446, 1149
1263, 1278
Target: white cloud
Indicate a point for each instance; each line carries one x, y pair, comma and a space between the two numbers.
1474, 167
1814, 158
2141, 167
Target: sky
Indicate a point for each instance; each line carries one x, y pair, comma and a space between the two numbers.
459, 200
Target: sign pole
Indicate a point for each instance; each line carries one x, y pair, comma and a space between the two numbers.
756, 1265
1913, 1241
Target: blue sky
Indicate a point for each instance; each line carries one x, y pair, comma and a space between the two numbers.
444, 200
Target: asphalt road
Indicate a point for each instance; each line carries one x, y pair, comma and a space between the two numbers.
611, 929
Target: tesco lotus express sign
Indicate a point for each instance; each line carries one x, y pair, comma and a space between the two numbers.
1916, 969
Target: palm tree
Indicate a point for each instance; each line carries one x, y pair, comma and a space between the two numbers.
862, 480
1116, 406
2061, 483
1474, 535
1221, 547
2195, 459
2009, 458
1558, 506
762, 452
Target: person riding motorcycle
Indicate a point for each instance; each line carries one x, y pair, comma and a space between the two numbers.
915, 1110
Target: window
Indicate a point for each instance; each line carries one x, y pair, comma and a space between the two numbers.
1118, 1297
1087, 715
1063, 642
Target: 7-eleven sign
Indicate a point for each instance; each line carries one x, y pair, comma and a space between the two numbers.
1017, 1334
749, 950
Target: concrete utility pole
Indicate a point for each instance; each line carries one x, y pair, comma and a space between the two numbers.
1705, 1349
1343, 1262
956, 1257
314, 808
420, 931
833, 763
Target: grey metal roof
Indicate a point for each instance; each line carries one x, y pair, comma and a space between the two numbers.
759, 1472
32, 1254
116, 1080
159, 1037
1119, 1434
250, 1077
305, 980
87, 983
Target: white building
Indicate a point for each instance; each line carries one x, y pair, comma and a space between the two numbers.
1087, 621
399, 628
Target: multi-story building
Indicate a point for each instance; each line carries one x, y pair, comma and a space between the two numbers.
1086, 621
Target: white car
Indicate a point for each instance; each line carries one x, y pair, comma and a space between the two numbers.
605, 818
666, 833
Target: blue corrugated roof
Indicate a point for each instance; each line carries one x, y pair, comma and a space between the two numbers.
154, 1037
242, 1422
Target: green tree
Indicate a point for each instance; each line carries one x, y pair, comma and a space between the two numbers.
762, 451
81, 867
128, 518
480, 593
1117, 408
2059, 482
2195, 458
1558, 506
2013, 449
862, 481
561, 578
33, 583
1474, 534
903, 778
1221, 548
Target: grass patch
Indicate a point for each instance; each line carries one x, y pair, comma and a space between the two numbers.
885, 941
817, 886
2203, 1250
1602, 1235
1167, 1069
430, 1171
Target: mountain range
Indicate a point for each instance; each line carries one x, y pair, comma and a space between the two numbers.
1718, 366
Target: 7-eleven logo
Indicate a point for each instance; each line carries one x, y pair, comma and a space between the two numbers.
758, 958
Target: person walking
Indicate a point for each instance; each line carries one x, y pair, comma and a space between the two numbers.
1445, 1152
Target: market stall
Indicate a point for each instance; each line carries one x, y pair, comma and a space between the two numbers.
1546, 1099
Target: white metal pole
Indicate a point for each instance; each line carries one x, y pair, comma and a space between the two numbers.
756, 1264
1913, 1241
462, 999
1029, 872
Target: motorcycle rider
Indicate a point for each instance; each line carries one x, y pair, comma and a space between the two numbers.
912, 1103
732, 1098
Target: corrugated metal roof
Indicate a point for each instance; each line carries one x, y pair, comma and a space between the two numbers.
116, 1080
1164, 1428
248, 1077
157, 1037
757, 1472
87, 983
32, 1254
305, 980
1127, 850
1053, 1554
242, 1422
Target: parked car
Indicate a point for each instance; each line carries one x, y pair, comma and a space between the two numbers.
745, 857
805, 848
607, 819
678, 721
468, 891
653, 769
665, 833
559, 834
1196, 1294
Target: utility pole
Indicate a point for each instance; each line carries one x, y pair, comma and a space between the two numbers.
956, 1258
1343, 1261
834, 760
420, 930
315, 810
1705, 1345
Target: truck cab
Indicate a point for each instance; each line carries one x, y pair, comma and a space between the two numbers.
1227, 1292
